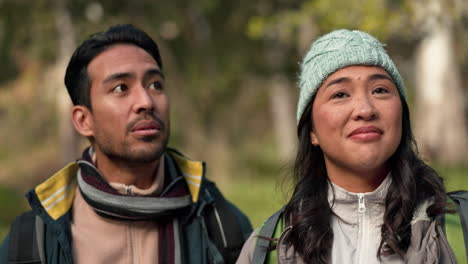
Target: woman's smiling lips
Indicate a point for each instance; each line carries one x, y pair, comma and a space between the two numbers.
146, 128
367, 133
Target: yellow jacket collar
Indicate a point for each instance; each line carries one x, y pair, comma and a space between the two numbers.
56, 193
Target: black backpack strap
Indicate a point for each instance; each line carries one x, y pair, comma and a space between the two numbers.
26, 243
461, 200
264, 237
227, 227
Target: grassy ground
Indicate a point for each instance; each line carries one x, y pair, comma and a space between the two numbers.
257, 197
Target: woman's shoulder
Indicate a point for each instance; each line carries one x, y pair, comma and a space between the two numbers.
420, 213
262, 238
246, 255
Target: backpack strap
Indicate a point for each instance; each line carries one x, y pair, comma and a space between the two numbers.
227, 227
456, 226
26, 243
264, 237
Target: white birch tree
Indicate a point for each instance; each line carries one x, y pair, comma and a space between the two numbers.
440, 126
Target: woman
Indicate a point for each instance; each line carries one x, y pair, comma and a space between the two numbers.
362, 194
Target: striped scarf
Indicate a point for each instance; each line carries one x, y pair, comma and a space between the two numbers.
166, 208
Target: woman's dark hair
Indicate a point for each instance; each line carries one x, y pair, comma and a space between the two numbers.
76, 77
309, 212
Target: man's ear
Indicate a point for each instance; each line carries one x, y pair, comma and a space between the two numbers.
313, 138
83, 120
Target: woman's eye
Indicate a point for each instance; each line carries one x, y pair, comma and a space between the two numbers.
156, 86
340, 95
380, 90
120, 88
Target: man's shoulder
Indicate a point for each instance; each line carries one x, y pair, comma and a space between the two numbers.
4, 249
25, 240
50, 200
53, 198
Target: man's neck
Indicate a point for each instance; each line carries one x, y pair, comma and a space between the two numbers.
140, 175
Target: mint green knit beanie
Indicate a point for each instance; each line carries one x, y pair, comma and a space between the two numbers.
336, 50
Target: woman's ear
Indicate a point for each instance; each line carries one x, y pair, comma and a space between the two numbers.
313, 138
83, 120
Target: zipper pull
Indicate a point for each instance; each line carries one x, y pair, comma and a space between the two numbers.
128, 189
362, 205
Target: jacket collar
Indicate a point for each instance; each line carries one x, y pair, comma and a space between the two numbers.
347, 205
337, 194
55, 195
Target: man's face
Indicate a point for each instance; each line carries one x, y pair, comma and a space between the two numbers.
130, 107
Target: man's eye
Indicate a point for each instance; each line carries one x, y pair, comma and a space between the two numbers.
340, 95
380, 90
156, 86
120, 88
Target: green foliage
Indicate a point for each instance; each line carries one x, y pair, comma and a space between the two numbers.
11, 205
381, 18
456, 178
258, 198
29, 30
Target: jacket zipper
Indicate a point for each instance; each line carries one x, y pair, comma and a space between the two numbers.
128, 191
131, 243
362, 205
220, 225
363, 229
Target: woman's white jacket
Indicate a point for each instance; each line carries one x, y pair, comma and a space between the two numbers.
356, 225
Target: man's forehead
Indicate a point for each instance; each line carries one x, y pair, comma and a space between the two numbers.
121, 58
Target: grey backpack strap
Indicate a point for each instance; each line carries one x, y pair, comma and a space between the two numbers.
264, 237
26, 243
461, 200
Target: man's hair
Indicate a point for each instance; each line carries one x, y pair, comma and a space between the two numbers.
76, 77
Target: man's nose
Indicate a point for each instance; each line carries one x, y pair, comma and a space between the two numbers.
143, 100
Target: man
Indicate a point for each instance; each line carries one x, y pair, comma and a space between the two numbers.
129, 199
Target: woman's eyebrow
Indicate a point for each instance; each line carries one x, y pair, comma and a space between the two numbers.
339, 80
379, 76
373, 77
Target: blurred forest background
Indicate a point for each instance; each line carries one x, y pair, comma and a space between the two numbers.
231, 69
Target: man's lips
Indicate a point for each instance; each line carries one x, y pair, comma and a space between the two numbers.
366, 133
146, 127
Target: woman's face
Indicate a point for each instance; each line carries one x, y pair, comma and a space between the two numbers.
357, 119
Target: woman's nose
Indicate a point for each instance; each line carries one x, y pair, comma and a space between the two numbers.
364, 109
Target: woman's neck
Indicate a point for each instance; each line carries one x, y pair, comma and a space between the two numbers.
357, 181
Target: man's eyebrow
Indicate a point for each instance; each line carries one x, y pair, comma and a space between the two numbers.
339, 80
379, 76
117, 76
154, 72
123, 75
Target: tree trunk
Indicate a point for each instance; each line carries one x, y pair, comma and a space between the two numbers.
284, 123
69, 139
440, 120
